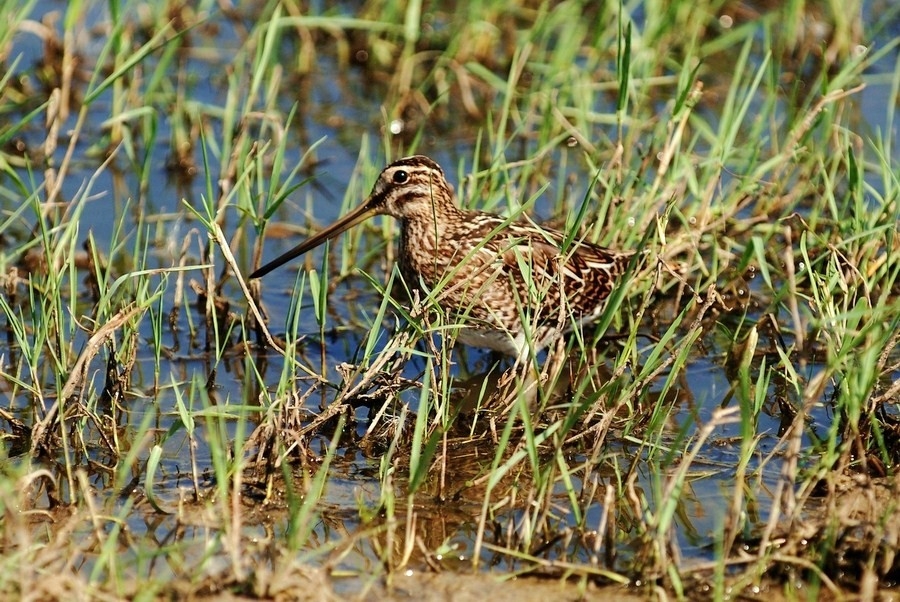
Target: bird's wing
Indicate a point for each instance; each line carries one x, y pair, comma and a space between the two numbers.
572, 281
550, 283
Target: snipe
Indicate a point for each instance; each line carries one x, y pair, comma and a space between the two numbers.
513, 285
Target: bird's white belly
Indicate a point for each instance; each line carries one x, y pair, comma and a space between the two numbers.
489, 338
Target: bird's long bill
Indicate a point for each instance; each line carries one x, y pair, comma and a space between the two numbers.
360, 214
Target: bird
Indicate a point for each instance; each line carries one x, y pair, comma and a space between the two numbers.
513, 287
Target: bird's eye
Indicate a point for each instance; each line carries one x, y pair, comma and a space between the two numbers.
401, 177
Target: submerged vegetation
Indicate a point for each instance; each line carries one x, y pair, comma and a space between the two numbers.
729, 426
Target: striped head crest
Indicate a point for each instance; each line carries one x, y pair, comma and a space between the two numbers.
412, 187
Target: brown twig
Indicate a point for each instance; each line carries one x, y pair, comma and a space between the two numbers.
76, 375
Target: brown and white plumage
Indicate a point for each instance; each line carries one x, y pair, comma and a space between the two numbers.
507, 281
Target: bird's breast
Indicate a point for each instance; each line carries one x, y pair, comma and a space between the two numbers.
447, 260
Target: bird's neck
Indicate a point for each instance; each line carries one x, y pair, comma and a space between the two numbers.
426, 245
